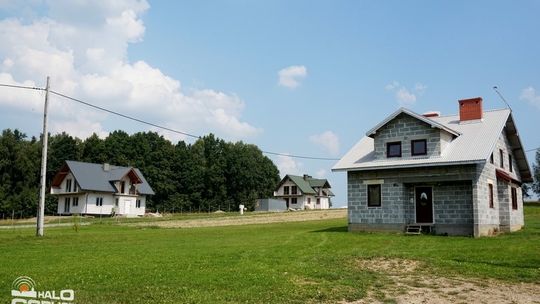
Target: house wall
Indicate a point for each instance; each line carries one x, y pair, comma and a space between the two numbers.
405, 128
501, 217
452, 198
131, 200
62, 188
72, 209
105, 209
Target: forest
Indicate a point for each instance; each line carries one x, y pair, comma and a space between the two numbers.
208, 175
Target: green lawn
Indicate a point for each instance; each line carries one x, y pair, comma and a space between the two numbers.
276, 263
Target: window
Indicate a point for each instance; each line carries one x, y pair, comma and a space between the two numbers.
122, 187
510, 166
501, 154
116, 202
99, 201
294, 200
294, 190
374, 195
74, 186
138, 203
68, 185
393, 149
75, 201
418, 147
67, 200
514, 199
490, 188
286, 190
491, 158
309, 200
318, 201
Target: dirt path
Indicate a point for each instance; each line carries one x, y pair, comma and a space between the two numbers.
249, 219
411, 286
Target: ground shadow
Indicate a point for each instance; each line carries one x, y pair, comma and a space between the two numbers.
333, 229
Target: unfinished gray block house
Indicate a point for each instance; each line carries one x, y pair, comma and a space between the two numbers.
456, 175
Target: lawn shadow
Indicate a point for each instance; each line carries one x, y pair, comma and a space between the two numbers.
333, 229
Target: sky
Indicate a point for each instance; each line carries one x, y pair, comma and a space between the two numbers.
294, 77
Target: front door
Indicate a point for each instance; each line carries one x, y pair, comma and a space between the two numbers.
127, 206
424, 204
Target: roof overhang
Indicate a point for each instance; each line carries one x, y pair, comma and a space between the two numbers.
517, 150
415, 165
432, 123
60, 175
501, 174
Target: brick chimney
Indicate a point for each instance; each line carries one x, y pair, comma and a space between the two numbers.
470, 109
432, 114
306, 176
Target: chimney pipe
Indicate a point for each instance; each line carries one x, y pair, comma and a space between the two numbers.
470, 109
106, 167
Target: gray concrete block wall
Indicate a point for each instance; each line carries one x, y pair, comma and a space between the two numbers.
405, 128
452, 199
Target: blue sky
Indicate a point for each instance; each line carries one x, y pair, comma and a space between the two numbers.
214, 66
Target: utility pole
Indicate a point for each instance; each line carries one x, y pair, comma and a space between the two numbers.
45, 140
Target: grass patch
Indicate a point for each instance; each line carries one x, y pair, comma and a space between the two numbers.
297, 262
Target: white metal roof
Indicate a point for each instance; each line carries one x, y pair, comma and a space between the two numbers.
475, 143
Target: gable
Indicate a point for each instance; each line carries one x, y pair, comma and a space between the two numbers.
474, 145
420, 118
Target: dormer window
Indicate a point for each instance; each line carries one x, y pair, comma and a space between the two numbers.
393, 149
418, 147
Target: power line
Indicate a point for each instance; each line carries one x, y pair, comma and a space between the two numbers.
21, 87
123, 115
173, 130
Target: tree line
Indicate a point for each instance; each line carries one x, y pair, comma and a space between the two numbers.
208, 175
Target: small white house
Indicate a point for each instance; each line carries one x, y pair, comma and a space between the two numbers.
304, 192
100, 189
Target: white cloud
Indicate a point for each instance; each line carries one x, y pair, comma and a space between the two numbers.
404, 96
321, 173
290, 77
288, 165
83, 46
328, 140
529, 94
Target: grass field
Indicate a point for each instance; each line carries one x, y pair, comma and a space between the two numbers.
296, 262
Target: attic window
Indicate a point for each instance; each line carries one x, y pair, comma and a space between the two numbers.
418, 147
294, 190
393, 149
286, 190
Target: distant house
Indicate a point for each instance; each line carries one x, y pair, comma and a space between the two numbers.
304, 192
86, 188
458, 174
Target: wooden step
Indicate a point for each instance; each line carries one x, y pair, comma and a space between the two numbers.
413, 229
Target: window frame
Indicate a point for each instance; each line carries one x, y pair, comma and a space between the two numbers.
99, 201
501, 155
294, 200
510, 166
68, 185
286, 190
138, 203
413, 153
388, 144
318, 200
369, 204
75, 202
513, 194
309, 200
294, 190
490, 196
